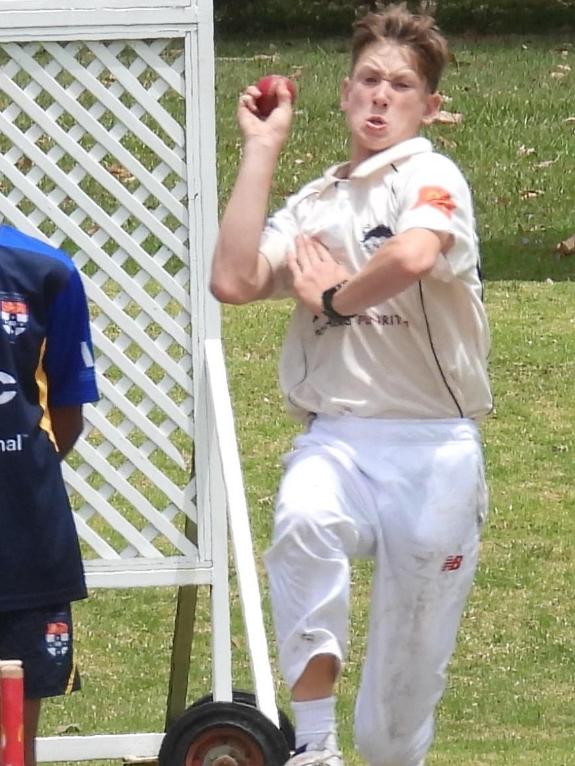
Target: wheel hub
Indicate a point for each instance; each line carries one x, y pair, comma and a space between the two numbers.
225, 760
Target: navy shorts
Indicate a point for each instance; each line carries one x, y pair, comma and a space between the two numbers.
43, 639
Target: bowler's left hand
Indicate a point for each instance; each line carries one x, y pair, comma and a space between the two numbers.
314, 270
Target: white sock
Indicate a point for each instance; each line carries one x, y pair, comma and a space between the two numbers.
315, 724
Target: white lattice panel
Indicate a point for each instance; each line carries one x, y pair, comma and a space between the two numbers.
93, 145
107, 149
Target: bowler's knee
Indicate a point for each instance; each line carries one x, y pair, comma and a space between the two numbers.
318, 528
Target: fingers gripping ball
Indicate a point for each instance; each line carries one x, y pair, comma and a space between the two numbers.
268, 101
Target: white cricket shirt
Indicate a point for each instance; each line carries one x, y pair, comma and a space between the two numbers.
422, 353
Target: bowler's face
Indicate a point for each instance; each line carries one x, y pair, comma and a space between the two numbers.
385, 100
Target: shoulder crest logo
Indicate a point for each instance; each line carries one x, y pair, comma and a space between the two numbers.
438, 198
13, 315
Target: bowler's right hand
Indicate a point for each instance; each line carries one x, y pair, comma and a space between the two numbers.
274, 129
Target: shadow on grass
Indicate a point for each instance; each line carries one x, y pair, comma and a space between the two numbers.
527, 258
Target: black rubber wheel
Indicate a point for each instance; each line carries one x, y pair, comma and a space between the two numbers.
223, 734
249, 698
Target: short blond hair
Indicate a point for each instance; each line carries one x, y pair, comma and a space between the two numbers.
417, 32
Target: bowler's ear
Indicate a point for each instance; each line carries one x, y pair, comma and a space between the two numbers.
344, 96
433, 105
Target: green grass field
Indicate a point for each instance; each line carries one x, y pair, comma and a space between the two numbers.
511, 694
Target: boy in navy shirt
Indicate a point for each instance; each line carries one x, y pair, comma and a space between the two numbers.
46, 375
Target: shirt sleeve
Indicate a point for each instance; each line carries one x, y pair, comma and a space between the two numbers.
434, 195
69, 357
278, 239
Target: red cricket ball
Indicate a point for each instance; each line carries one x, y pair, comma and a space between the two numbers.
269, 100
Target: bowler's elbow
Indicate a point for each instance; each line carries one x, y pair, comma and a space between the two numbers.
416, 253
225, 283
229, 284
219, 290
226, 291
418, 264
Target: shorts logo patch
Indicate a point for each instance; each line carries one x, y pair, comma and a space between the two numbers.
438, 198
58, 639
452, 563
13, 315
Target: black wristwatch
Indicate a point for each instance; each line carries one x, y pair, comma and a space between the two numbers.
327, 304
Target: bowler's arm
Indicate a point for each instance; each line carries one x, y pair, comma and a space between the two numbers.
240, 273
403, 260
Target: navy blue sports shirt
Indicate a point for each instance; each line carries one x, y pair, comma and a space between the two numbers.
46, 359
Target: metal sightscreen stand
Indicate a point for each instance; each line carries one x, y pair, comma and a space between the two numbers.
107, 149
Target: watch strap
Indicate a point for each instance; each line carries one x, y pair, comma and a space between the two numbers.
327, 304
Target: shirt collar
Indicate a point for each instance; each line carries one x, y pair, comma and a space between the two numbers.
380, 160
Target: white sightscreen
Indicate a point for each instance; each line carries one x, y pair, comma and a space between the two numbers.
93, 146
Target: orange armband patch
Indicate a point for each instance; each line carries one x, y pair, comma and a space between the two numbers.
437, 197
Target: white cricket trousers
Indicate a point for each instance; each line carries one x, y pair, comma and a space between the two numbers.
412, 495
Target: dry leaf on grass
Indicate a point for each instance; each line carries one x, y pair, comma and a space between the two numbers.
121, 172
545, 164
531, 193
23, 164
308, 157
447, 143
569, 120
567, 247
525, 151
448, 118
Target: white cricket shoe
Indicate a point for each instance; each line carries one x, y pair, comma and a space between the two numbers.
316, 758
